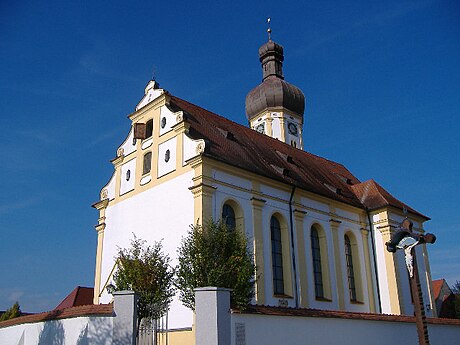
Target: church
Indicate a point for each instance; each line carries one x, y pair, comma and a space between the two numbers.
316, 232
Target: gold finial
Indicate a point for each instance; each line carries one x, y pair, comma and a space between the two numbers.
269, 30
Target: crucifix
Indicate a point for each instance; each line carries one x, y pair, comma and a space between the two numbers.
404, 238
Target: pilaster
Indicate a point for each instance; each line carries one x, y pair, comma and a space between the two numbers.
117, 162
392, 268
334, 224
283, 127
257, 205
101, 206
367, 260
299, 216
269, 122
202, 189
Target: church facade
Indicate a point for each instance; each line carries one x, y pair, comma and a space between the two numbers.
317, 233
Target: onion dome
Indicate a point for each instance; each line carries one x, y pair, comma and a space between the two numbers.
274, 91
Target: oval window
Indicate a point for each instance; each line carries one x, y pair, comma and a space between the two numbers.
167, 155
163, 122
128, 175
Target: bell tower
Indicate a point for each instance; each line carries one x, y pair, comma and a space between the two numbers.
275, 107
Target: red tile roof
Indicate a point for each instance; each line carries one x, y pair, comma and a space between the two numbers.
79, 296
85, 310
437, 286
374, 196
240, 146
306, 312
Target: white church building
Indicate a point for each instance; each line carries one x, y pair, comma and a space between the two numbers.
317, 233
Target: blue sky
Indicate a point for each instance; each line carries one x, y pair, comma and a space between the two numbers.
382, 82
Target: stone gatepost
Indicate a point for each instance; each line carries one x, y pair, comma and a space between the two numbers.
213, 319
125, 320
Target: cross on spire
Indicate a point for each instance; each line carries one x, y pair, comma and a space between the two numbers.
269, 30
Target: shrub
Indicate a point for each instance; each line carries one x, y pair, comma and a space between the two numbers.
213, 255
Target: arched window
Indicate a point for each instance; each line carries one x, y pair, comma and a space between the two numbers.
350, 269
147, 165
317, 269
228, 216
277, 256
149, 129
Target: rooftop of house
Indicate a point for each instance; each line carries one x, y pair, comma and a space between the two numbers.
242, 147
78, 297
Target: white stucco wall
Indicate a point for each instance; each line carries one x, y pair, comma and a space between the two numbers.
128, 145
167, 164
127, 185
88, 330
275, 330
169, 120
165, 213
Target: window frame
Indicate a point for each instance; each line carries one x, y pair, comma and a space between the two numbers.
147, 168
149, 129
277, 256
317, 263
351, 269
226, 209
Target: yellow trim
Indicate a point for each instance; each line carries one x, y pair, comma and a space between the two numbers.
356, 258
282, 128
239, 214
301, 257
98, 271
262, 180
392, 268
100, 227
109, 277
180, 337
258, 244
287, 256
367, 261
334, 224
139, 115
325, 267
269, 122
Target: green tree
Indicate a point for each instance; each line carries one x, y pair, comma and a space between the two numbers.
146, 270
213, 255
456, 290
11, 313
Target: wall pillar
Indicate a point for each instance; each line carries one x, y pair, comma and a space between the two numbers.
269, 121
367, 266
101, 206
125, 320
392, 267
338, 264
202, 190
257, 205
301, 258
213, 318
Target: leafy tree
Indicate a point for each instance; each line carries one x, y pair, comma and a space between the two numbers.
11, 313
213, 255
146, 270
456, 290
